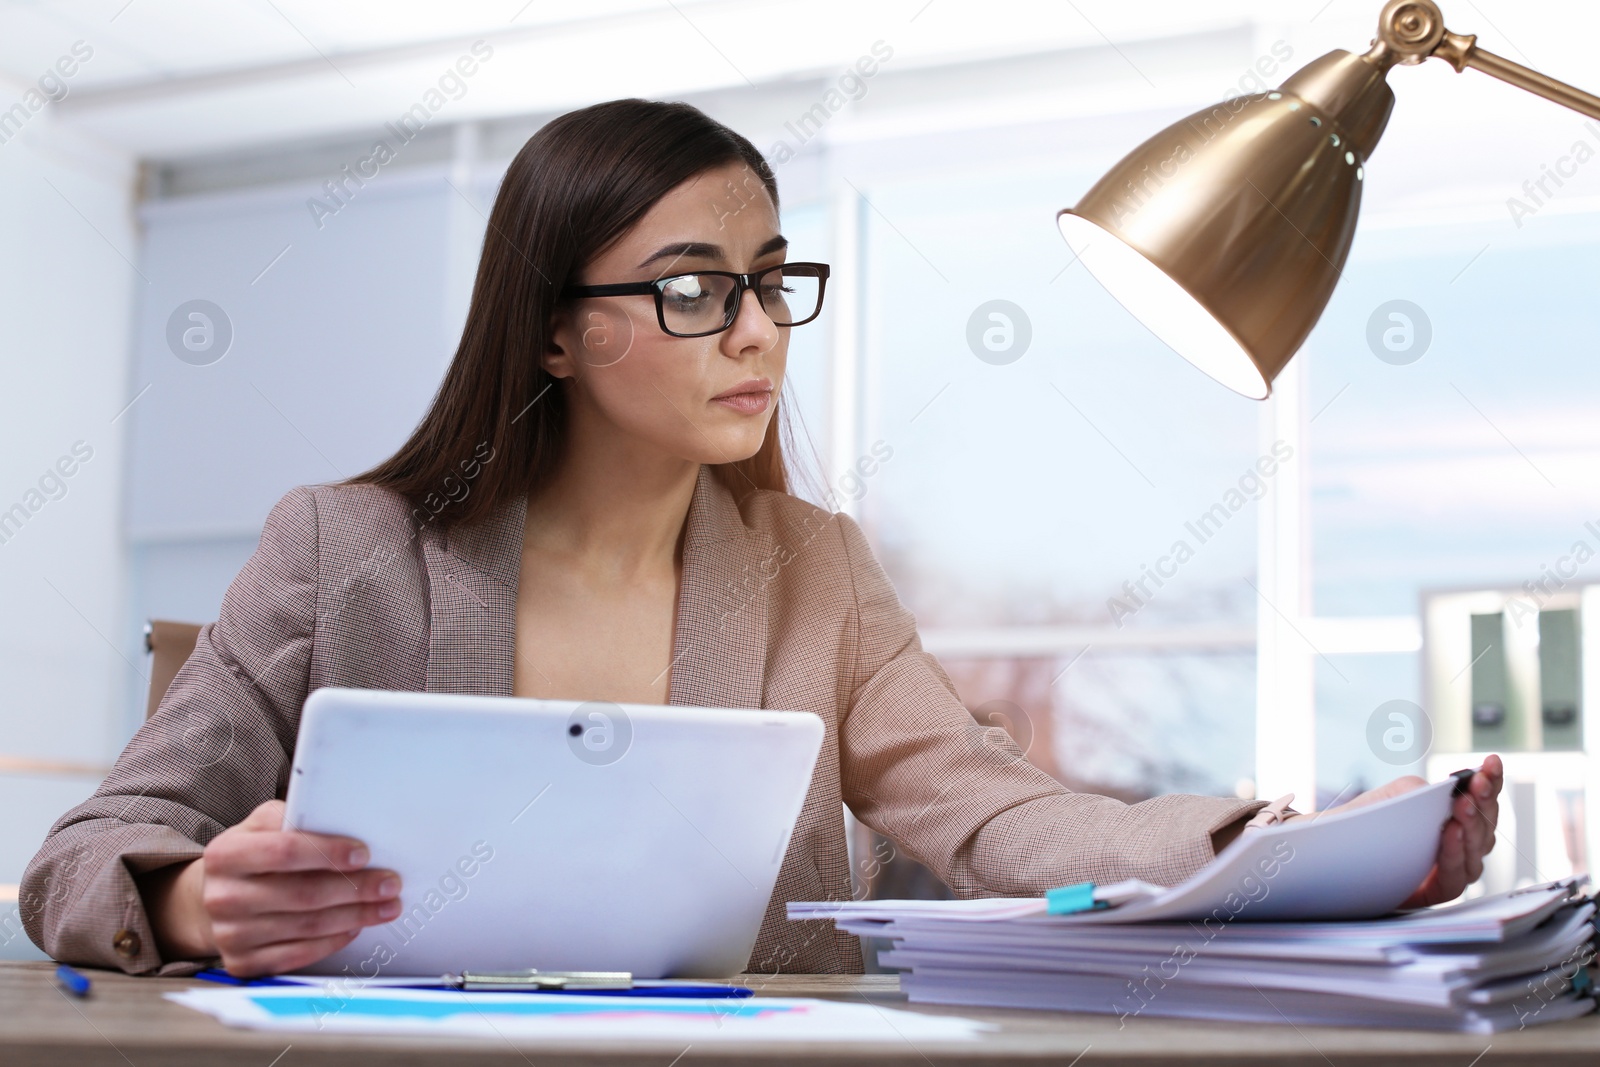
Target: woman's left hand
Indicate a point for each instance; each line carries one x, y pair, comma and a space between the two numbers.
1465, 839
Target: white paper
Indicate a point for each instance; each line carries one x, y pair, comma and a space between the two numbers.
546, 1016
1355, 864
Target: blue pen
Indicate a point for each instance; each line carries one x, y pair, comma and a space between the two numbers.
73, 982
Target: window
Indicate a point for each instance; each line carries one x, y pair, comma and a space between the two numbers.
1057, 498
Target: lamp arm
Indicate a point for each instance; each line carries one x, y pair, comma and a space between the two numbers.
1461, 51
1410, 31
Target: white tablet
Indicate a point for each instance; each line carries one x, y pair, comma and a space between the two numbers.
559, 835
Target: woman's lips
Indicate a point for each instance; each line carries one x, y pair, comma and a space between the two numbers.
749, 397
752, 403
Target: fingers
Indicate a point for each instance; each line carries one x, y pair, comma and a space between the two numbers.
256, 931
1451, 877
1477, 822
277, 921
235, 897
1485, 788
1383, 792
1490, 814
1403, 784
278, 900
1448, 877
265, 851
1389, 789
1474, 833
284, 956
1465, 839
1494, 770
1478, 812
268, 815
1453, 863
1425, 894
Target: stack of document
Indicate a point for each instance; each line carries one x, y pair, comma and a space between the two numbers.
1291, 923
1495, 963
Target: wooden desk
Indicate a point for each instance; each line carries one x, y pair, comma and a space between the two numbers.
126, 1023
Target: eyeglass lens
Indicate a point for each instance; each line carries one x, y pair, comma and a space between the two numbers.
695, 303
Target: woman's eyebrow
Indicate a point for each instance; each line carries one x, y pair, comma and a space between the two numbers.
702, 249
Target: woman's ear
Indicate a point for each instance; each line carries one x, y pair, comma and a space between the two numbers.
557, 358
598, 337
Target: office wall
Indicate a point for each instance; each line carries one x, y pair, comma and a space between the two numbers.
319, 351
67, 283
324, 346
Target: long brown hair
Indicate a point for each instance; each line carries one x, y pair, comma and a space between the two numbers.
497, 424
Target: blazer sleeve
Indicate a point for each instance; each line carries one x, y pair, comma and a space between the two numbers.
218, 745
962, 798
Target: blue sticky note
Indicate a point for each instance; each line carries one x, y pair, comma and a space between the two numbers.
1068, 899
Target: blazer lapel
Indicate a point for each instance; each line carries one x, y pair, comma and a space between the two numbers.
472, 591
719, 647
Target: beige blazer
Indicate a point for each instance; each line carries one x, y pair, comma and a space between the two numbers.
781, 605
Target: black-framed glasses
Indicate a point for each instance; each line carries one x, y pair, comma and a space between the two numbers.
707, 301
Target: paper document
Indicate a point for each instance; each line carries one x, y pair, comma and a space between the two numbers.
1355, 864
538, 1015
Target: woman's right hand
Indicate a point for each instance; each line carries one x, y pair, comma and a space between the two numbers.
269, 900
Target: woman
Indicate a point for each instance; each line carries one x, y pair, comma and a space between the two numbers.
594, 507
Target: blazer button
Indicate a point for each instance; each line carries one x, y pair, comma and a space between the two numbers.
126, 942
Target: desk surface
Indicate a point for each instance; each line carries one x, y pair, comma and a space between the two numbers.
126, 1022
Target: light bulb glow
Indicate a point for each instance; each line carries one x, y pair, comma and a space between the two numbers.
1165, 307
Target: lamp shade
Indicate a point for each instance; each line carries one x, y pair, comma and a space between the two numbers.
1226, 232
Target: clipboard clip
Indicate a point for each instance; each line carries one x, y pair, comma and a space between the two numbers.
530, 979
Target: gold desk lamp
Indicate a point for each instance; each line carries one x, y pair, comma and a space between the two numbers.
1226, 232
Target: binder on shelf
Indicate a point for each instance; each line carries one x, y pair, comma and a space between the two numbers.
1560, 681
1492, 729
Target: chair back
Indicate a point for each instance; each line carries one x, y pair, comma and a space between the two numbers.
169, 644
